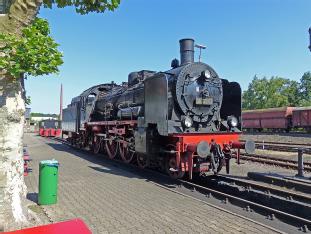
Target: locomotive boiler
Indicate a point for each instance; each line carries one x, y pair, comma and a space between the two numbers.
184, 120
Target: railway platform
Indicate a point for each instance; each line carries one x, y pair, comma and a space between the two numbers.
112, 200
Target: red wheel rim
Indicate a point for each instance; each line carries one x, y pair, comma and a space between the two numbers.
126, 153
96, 145
111, 148
171, 164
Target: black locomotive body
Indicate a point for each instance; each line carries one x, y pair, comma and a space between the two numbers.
186, 119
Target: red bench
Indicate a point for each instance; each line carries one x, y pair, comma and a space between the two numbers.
76, 226
26, 158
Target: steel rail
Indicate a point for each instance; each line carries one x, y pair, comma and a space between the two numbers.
280, 143
286, 193
286, 163
276, 158
273, 213
283, 146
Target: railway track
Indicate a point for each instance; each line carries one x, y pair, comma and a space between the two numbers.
283, 143
293, 133
282, 146
250, 200
270, 160
287, 206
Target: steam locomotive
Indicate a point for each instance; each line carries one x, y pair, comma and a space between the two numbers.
184, 120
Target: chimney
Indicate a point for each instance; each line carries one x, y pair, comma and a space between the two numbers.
186, 51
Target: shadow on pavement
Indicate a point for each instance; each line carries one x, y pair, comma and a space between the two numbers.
114, 167
104, 165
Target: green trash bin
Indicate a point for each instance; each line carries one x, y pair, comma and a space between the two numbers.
48, 181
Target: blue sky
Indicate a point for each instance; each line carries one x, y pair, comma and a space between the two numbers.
243, 38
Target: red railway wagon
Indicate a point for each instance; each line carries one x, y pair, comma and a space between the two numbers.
251, 120
302, 118
272, 118
50, 128
41, 131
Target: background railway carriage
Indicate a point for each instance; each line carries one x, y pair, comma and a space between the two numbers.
278, 119
302, 118
271, 118
251, 120
186, 119
50, 128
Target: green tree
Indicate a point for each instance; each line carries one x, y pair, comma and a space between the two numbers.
19, 57
293, 95
35, 53
268, 93
255, 96
305, 89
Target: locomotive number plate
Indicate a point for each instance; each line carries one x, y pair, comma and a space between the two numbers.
204, 101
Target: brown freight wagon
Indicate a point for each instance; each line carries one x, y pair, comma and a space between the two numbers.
302, 118
272, 118
251, 120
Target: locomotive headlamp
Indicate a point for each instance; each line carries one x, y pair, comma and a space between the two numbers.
207, 74
232, 121
187, 122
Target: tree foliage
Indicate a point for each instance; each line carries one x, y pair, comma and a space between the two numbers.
305, 89
35, 53
84, 6
37, 114
277, 92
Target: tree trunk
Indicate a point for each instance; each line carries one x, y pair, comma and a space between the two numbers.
20, 15
12, 109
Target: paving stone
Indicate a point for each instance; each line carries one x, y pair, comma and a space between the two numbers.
111, 200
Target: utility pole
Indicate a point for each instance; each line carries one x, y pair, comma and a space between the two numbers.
310, 38
61, 103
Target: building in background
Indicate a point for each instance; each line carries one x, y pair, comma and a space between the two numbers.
40, 118
27, 124
32, 120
